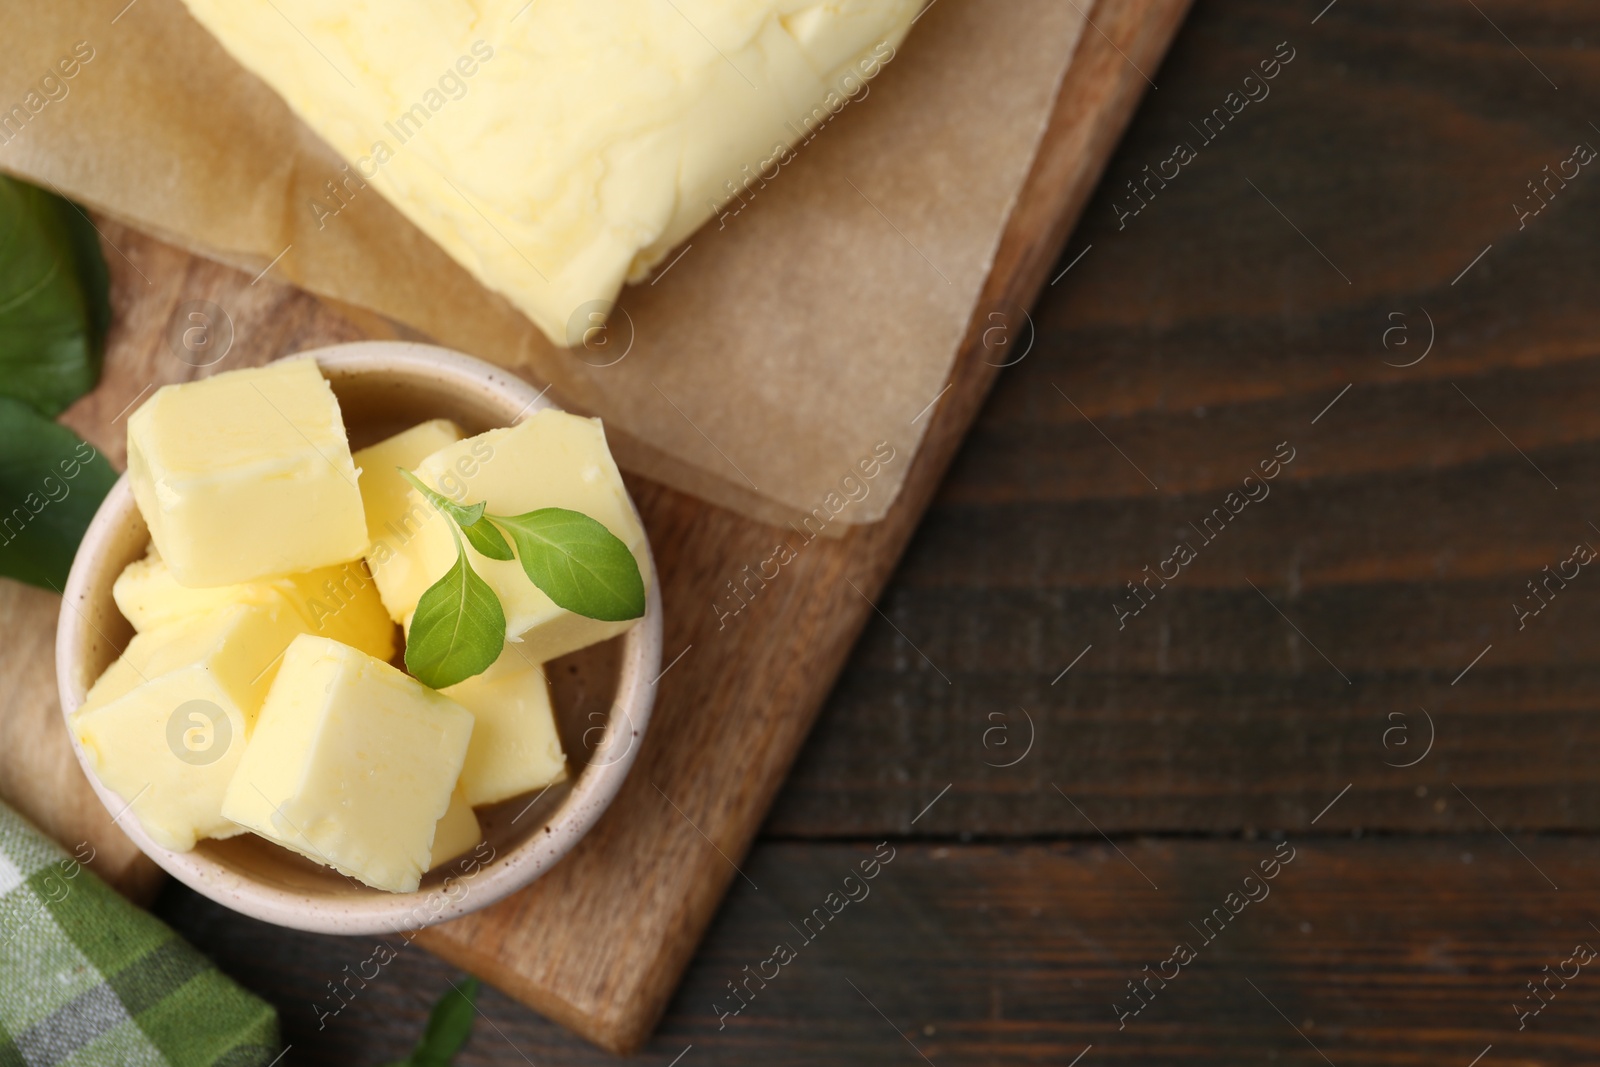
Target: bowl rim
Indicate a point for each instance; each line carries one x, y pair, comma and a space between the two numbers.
374, 911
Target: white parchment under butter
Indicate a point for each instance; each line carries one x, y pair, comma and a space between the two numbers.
815, 318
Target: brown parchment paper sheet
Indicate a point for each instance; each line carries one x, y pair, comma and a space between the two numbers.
790, 336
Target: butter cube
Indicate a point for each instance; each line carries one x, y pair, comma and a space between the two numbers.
150, 597
352, 764
340, 602
118, 680
456, 832
515, 747
394, 511
551, 460
246, 475
167, 724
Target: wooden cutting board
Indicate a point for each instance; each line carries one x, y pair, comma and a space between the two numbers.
599, 943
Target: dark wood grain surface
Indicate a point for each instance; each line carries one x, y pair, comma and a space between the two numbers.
1390, 951
1358, 618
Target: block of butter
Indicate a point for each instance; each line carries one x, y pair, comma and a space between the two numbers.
246, 475
352, 764
456, 832
515, 748
555, 148
340, 602
552, 459
167, 724
393, 511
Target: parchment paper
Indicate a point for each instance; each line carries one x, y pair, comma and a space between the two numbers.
789, 338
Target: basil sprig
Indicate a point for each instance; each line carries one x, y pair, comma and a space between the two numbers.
459, 627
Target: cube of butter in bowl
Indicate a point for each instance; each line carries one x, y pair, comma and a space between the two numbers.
490, 841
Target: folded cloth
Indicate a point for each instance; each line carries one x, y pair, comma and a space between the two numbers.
87, 979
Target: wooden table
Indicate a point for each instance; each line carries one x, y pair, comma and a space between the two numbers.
1067, 800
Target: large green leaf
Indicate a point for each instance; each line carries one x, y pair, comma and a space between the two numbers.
577, 562
458, 630
449, 1026
50, 485
54, 307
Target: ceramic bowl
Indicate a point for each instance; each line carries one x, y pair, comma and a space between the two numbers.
602, 695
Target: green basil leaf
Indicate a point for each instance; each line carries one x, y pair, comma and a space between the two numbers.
449, 1026
577, 562
484, 537
54, 305
50, 485
458, 629
93, 276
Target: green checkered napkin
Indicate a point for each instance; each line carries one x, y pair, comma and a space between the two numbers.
89, 980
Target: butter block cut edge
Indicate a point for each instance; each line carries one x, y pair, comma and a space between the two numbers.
548, 274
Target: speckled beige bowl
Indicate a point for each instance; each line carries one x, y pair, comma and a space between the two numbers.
603, 695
